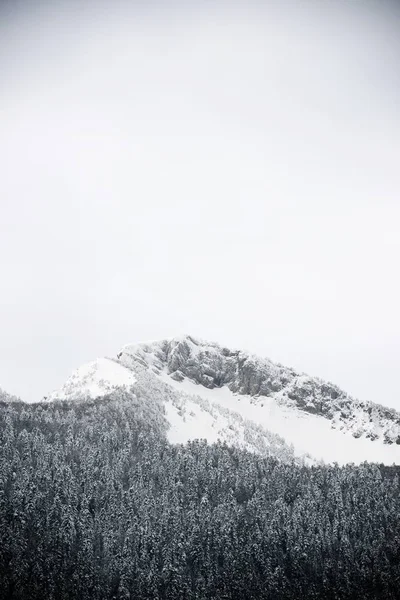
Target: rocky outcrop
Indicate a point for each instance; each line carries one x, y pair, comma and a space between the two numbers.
213, 366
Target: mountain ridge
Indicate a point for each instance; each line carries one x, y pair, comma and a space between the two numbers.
248, 374
209, 391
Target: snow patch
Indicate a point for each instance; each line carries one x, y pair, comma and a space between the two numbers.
93, 380
309, 434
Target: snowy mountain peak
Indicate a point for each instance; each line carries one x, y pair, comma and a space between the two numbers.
206, 390
215, 366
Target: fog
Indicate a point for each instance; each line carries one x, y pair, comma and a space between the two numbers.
231, 172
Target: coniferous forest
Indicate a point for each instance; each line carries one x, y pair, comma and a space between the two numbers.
95, 504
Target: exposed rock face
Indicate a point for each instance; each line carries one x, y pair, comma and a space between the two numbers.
211, 365
214, 366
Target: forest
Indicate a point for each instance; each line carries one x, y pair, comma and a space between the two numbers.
95, 504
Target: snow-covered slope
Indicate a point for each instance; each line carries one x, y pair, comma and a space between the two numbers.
94, 380
208, 391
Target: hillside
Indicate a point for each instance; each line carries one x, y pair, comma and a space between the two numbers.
215, 393
96, 504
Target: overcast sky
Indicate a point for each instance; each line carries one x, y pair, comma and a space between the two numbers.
232, 173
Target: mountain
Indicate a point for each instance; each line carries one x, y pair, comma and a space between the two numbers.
204, 390
100, 501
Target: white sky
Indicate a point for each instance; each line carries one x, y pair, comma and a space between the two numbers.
233, 173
